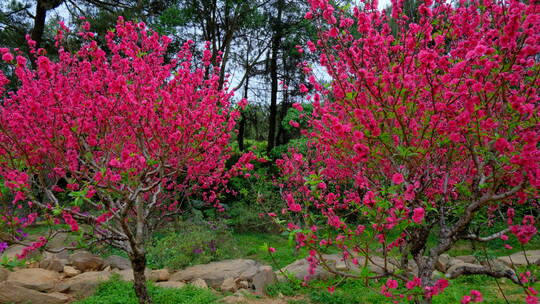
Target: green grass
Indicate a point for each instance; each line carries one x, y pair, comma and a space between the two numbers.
116, 291
253, 246
355, 291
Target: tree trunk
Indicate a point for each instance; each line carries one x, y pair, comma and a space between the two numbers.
242, 126
138, 262
276, 41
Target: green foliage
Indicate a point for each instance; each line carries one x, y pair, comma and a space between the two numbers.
116, 291
256, 197
190, 243
284, 288
300, 144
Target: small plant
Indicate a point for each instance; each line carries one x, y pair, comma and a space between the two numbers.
116, 291
190, 243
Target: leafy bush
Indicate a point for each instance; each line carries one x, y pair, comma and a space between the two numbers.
191, 242
256, 197
117, 291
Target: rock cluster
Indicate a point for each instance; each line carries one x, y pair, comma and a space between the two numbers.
445, 265
62, 278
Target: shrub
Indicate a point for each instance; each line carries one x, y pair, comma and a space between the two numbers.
192, 242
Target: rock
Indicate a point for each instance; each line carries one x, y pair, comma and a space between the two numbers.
70, 271
170, 284
158, 275
59, 242
4, 273
34, 278
84, 284
85, 261
242, 284
443, 263
300, 269
467, 259
518, 258
495, 265
228, 284
13, 293
12, 251
118, 262
151, 275
263, 278
199, 283
53, 263
452, 272
216, 272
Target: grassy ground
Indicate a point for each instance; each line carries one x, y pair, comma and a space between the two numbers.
116, 291
254, 246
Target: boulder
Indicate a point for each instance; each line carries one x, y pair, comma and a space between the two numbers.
159, 275
84, 284
518, 258
443, 263
495, 265
34, 278
58, 242
300, 269
466, 259
85, 261
229, 284
13, 293
170, 284
117, 262
216, 272
452, 272
199, 283
71, 271
12, 251
4, 273
53, 263
263, 278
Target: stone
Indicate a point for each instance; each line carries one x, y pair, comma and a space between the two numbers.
300, 269
53, 263
34, 278
70, 271
228, 284
117, 262
171, 284
158, 275
451, 272
59, 242
518, 258
443, 263
216, 272
13, 293
84, 284
263, 278
4, 273
199, 283
467, 259
495, 265
242, 284
85, 261
12, 251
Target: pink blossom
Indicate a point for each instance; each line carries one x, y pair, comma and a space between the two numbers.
397, 178
418, 215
